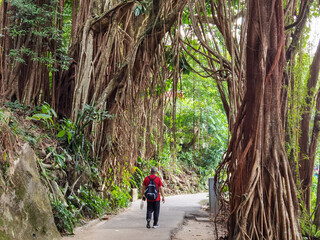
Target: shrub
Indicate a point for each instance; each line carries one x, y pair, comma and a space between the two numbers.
65, 217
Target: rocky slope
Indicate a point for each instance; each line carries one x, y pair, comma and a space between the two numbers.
25, 210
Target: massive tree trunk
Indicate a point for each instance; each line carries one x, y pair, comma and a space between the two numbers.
263, 197
294, 36
118, 50
119, 66
312, 153
314, 71
307, 147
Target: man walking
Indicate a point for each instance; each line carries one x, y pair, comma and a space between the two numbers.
151, 187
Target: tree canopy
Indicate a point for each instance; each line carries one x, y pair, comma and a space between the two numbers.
228, 88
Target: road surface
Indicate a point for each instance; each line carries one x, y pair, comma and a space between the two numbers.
131, 224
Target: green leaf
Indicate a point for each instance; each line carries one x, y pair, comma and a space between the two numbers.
40, 116
69, 136
45, 108
61, 161
61, 133
54, 113
137, 12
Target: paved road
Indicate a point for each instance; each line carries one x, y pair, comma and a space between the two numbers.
132, 224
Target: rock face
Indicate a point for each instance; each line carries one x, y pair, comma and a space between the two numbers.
25, 210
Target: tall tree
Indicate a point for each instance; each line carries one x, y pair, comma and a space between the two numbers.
312, 153
264, 202
307, 143
31, 49
119, 65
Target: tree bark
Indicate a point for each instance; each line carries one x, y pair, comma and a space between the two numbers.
117, 66
312, 154
307, 147
317, 210
26, 81
263, 197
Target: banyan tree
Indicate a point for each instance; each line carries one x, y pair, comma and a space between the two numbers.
263, 198
117, 61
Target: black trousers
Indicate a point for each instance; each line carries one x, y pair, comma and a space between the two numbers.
153, 207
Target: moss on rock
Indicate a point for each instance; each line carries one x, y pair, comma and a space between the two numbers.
27, 214
4, 236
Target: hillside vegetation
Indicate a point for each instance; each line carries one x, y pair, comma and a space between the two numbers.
73, 178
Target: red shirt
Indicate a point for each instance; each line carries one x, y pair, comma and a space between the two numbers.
158, 183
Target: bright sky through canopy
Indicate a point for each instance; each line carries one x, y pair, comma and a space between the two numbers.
314, 34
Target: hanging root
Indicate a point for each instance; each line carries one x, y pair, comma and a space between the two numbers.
266, 209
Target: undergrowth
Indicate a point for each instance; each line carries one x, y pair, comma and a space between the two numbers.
73, 177
64, 161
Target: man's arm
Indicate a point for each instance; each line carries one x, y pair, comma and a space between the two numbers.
162, 194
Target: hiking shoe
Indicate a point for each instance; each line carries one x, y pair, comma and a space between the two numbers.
156, 226
148, 223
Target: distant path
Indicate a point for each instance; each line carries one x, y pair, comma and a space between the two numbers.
132, 224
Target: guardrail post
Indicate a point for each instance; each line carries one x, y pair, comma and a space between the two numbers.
134, 194
213, 198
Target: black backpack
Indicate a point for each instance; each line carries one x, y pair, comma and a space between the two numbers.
151, 191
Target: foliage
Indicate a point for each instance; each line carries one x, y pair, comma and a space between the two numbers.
60, 158
164, 160
86, 202
314, 192
120, 198
141, 7
309, 229
141, 171
2, 116
14, 124
30, 19
137, 177
89, 203
200, 115
119, 194
44, 114
16, 106
73, 135
67, 24
65, 217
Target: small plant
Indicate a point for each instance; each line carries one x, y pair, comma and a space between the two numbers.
91, 204
2, 116
16, 106
310, 231
120, 198
30, 139
136, 178
73, 133
46, 114
60, 158
65, 217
